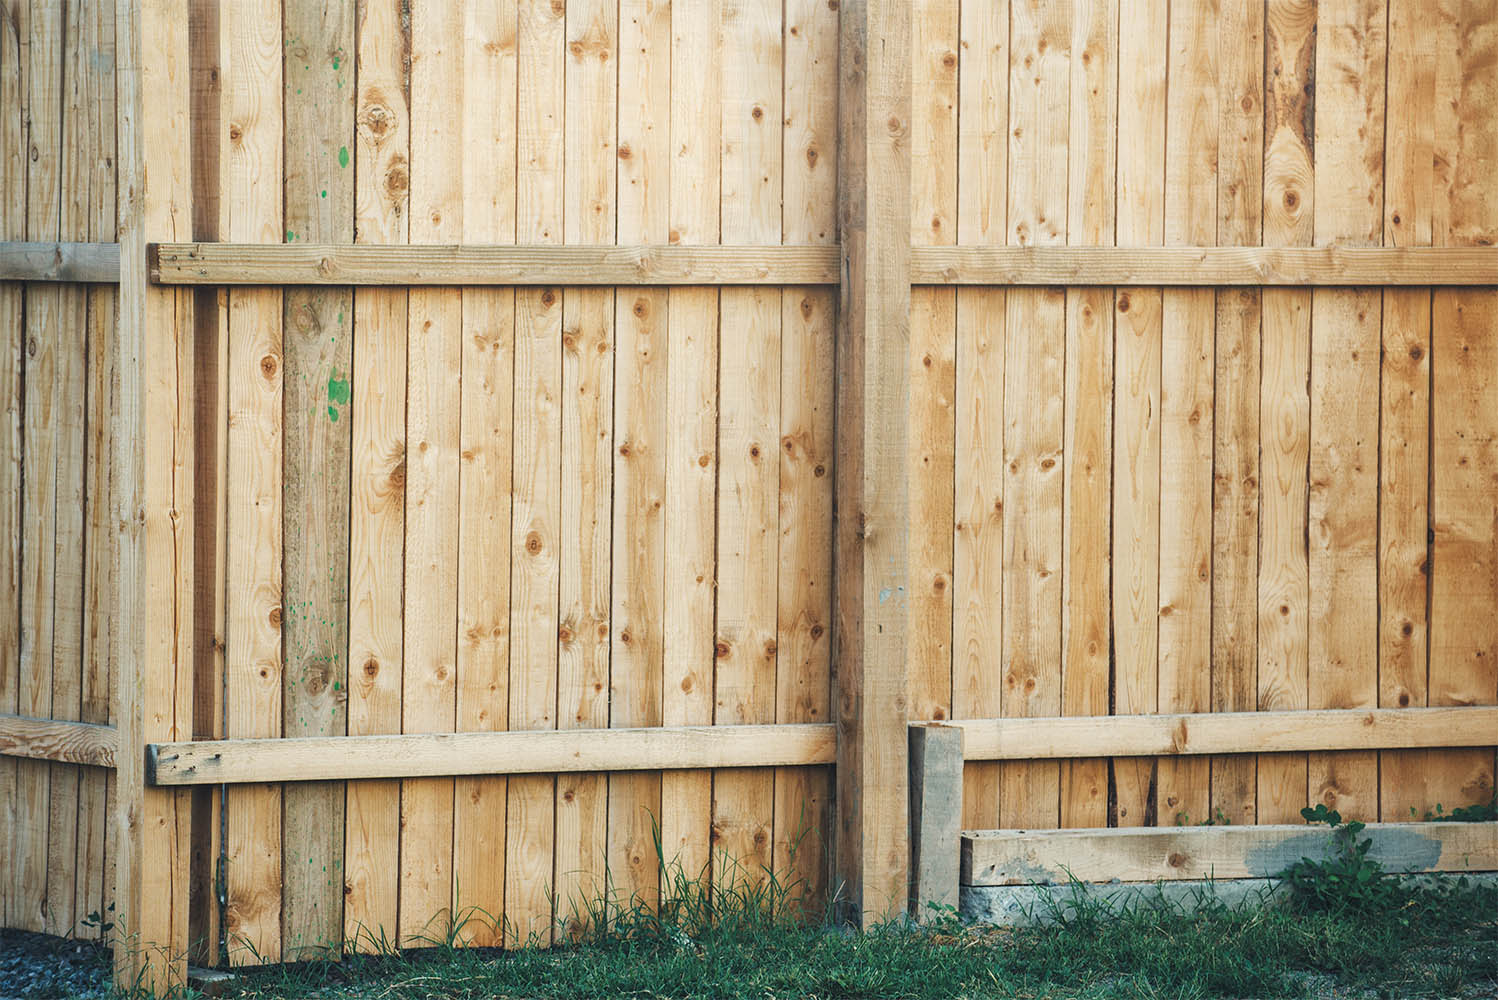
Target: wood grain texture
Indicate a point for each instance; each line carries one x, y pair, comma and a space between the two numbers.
1405, 405
641, 428
1087, 449
978, 499
1029, 794
1462, 660
153, 502
1225, 732
1285, 407
1350, 52
587, 454
536, 512
485, 449
1004, 857
420, 755
318, 342
69, 261
251, 210
377, 502
28, 738
749, 384
874, 115
691, 447
1136, 419
803, 678
1235, 396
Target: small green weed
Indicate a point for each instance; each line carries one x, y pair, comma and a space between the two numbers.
1349, 882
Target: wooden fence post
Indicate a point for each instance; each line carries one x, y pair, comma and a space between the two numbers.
935, 815
154, 494
873, 388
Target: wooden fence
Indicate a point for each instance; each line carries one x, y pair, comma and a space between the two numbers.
504, 368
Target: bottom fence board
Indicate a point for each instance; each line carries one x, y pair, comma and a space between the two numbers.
1146, 854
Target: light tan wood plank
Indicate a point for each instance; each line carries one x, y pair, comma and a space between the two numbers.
1226, 732
67, 742
587, 453
1285, 407
251, 209
874, 111
1088, 456
485, 448
418, 755
377, 491
536, 527
59, 261
803, 680
153, 503
1145, 855
318, 341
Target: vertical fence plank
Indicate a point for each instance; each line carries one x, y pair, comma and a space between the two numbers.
1464, 429
1187, 323
536, 528
933, 349
154, 500
748, 435
1087, 451
434, 373
587, 454
378, 470
1285, 407
1344, 397
92, 895
486, 441
803, 796
1136, 448
1404, 406
13, 141
872, 566
75, 168
692, 450
251, 211
318, 45
1235, 424
978, 505
1040, 76
42, 422
640, 428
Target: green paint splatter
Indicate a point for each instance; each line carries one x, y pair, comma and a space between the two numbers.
339, 394
290, 236
324, 194
343, 156
333, 414
335, 62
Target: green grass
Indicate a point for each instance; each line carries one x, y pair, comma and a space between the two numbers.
1441, 941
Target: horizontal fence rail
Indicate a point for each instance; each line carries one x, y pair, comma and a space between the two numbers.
1227, 733
468, 264
1204, 266
412, 264
251, 761
1150, 854
65, 742
93, 263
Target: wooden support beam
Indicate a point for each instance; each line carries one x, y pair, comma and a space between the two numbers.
935, 815
871, 563
1204, 266
1150, 854
153, 498
1229, 733
97, 263
427, 755
474, 264
67, 742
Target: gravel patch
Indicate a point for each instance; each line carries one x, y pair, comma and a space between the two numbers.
42, 967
